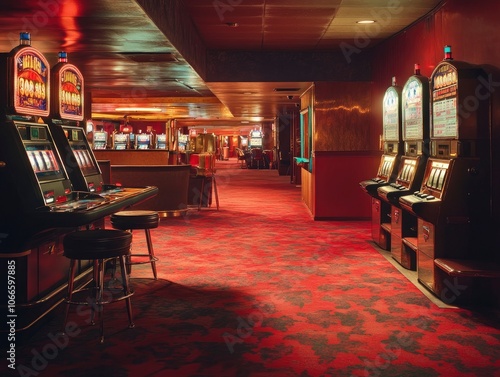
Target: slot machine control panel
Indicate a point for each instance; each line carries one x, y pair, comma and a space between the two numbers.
383, 176
404, 183
434, 181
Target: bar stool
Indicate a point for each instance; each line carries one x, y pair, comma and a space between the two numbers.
138, 219
99, 246
209, 175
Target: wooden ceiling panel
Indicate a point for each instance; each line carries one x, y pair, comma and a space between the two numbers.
294, 15
306, 4
127, 58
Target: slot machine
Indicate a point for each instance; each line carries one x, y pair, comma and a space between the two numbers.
255, 139
120, 141
100, 140
161, 141
389, 162
72, 143
415, 134
40, 204
453, 203
81, 165
143, 141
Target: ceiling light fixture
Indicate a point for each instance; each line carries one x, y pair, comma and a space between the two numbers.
232, 24
140, 109
365, 22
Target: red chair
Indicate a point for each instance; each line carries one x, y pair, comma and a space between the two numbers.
257, 157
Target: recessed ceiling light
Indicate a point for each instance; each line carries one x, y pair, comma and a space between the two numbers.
365, 22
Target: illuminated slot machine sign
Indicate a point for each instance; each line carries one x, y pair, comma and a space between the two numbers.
391, 142
415, 108
460, 111
67, 109
444, 103
68, 90
392, 114
31, 83
415, 128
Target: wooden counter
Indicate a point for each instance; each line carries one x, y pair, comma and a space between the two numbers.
172, 182
133, 156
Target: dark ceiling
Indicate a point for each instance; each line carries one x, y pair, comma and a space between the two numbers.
175, 54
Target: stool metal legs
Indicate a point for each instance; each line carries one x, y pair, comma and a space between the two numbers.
97, 300
150, 255
126, 291
71, 282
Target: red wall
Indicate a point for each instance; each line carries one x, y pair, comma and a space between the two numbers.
470, 27
337, 194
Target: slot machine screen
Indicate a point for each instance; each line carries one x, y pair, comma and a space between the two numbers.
444, 103
120, 141
407, 171
100, 139
84, 160
256, 142
41, 153
386, 166
391, 115
143, 141
86, 163
436, 176
161, 141
413, 121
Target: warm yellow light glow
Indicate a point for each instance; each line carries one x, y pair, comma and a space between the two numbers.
365, 22
140, 109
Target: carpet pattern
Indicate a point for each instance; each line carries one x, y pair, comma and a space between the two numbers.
260, 289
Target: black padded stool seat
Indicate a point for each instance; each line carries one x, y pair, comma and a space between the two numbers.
138, 219
128, 220
99, 246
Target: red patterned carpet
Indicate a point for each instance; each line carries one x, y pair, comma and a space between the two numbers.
260, 289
